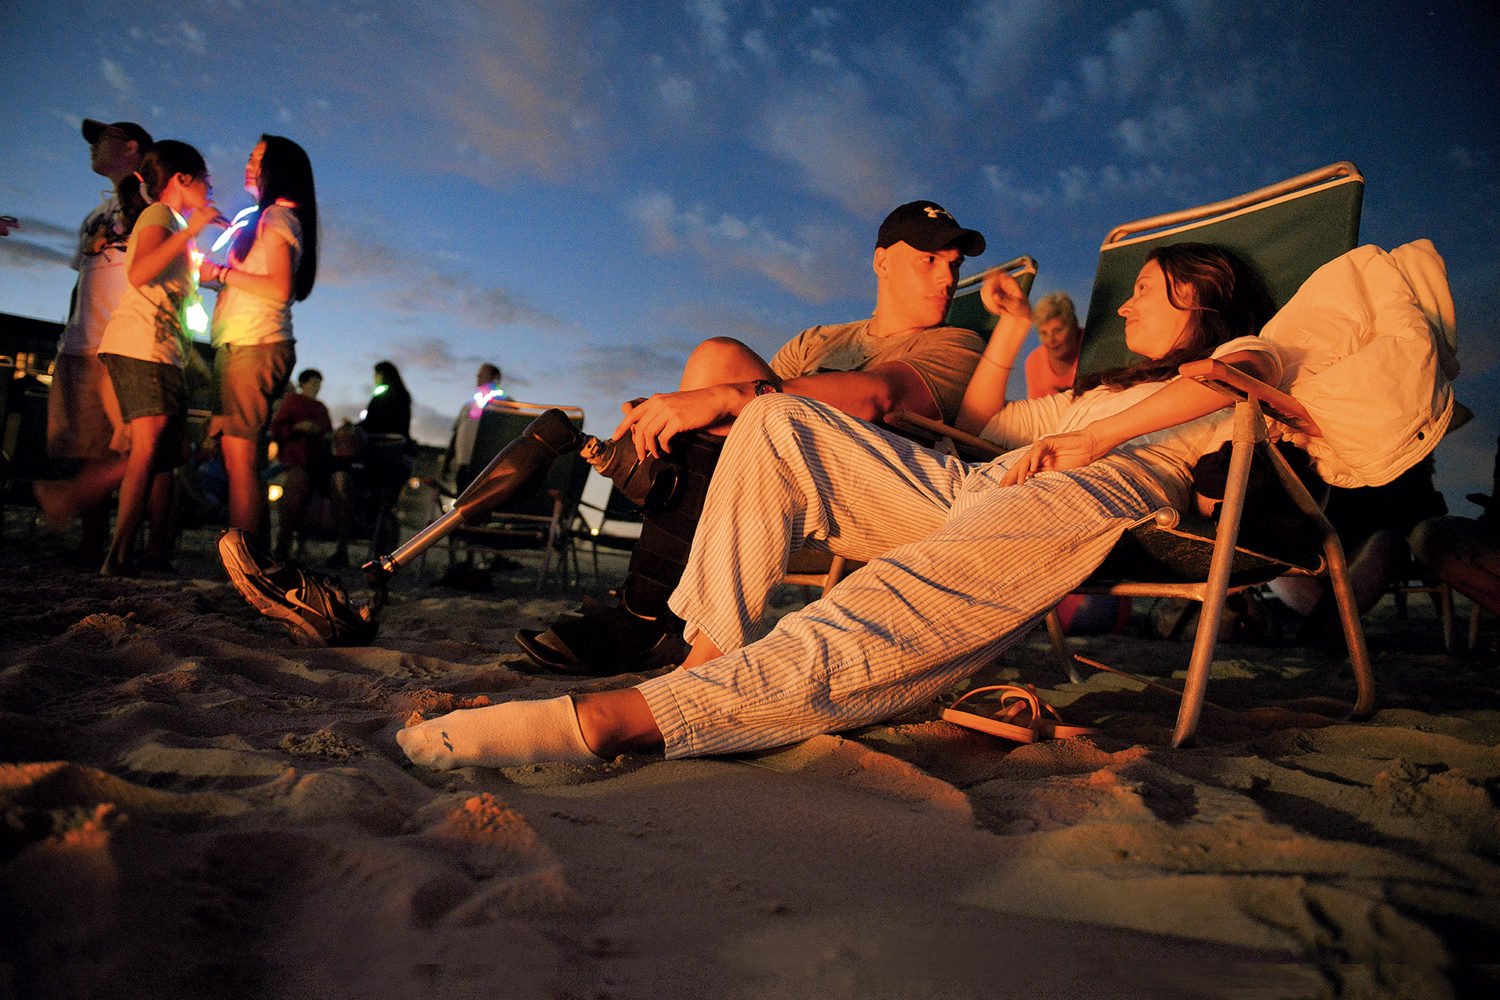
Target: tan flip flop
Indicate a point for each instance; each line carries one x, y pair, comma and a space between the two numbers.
1022, 716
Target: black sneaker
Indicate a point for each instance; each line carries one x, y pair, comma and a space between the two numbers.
313, 606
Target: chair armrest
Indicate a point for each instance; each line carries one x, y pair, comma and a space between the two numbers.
916, 424
1238, 385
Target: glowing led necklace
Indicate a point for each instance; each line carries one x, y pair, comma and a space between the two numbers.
241, 220
482, 399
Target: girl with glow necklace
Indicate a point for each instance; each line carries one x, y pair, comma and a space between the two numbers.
273, 261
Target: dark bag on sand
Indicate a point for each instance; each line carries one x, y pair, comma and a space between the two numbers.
313, 606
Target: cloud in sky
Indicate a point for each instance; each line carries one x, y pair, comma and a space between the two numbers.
618, 372
116, 78
998, 42
809, 264
843, 147
38, 244
1167, 75
712, 20
359, 254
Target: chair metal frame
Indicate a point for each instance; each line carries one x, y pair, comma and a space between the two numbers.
617, 509
509, 529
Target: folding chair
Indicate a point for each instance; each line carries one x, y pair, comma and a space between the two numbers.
539, 521
814, 568
619, 527
1286, 231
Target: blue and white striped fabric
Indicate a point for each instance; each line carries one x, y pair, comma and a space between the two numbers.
958, 569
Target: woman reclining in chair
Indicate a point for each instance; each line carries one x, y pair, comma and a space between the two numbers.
962, 559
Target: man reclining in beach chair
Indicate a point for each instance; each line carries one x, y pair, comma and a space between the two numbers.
902, 356
961, 559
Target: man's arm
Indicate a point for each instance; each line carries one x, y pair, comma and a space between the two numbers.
869, 394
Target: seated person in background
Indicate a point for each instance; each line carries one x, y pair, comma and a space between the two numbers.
1052, 366
899, 358
466, 427
373, 456
1372, 524
962, 559
1464, 552
301, 428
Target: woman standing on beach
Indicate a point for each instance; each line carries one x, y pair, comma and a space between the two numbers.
272, 262
144, 346
961, 559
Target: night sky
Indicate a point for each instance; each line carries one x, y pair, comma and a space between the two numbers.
581, 191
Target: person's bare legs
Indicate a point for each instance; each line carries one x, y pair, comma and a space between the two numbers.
616, 722
340, 490
64, 499
135, 489
586, 729
718, 360
159, 541
244, 483
703, 650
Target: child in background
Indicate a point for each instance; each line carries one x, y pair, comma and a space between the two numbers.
144, 346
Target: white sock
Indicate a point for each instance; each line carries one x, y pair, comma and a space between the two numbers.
506, 735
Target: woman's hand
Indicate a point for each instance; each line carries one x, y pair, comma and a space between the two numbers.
1072, 450
1002, 295
201, 218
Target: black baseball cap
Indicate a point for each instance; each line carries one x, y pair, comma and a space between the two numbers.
928, 226
92, 129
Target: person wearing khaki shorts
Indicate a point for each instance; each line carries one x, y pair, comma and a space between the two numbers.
272, 262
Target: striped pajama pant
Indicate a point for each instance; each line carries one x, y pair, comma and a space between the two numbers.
958, 568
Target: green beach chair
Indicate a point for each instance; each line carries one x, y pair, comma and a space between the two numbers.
1286, 231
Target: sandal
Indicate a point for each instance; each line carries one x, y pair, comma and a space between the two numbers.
1022, 716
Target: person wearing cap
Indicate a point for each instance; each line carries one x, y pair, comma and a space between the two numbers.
83, 415
900, 358
961, 560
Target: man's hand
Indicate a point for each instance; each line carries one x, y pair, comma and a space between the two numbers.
1002, 295
1056, 451
654, 421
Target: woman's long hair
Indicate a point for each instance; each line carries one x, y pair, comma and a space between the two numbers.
1228, 300
286, 172
390, 376
165, 160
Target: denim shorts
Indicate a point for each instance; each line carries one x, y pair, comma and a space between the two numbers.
146, 388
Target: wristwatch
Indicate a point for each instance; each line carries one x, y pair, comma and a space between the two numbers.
764, 387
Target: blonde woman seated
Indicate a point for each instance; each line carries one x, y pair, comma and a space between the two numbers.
962, 559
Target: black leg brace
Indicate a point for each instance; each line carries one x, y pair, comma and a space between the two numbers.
657, 562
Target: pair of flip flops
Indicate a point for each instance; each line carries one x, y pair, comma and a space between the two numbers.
1022, 716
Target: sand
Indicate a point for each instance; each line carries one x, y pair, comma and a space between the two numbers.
193, 806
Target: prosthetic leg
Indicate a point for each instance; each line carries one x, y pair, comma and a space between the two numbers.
315, 607
640, 631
